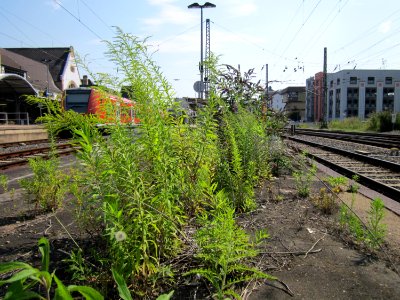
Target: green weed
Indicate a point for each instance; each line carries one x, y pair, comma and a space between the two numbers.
47, 187
373, 233
303, 176
137, 189
223, 248
353, 186
325, 201
4, 182
25, 278
348, 124
337, 183
376, 230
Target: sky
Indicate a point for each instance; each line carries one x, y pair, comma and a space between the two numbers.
288, 35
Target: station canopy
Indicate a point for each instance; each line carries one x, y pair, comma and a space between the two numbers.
13, 84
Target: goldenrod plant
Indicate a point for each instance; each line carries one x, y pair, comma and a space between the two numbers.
137, 189
373, 232
223, 250
48, 185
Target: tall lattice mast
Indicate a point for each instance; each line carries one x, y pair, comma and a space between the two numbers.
208, 54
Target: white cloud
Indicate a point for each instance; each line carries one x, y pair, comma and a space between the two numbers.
169, 14
221, 42
186, 43
243, 9
54, 4
160, 2
385, 27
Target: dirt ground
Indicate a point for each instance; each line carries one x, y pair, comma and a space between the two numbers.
336, 270
306, 250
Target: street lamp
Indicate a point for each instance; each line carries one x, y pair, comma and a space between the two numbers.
205, 5
47, 61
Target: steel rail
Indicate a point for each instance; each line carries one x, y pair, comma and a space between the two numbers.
365, 180
26, 154
374, 139
14, 144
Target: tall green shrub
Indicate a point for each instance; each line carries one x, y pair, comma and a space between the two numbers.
381, 121
48, 185
244, 156
137, 188
223, 250
140, 187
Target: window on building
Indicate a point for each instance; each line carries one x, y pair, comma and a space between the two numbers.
337, 104
331, 83
370, 101
293, 96
388, 99
352, 102
338, 81
371, 80
330, 105
353, 80
388, 80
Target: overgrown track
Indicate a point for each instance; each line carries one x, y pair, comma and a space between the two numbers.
383, 140
20, 157
378, 174
16, 144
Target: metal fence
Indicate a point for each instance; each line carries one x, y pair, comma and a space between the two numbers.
17, 118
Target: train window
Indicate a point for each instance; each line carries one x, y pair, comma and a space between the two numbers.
77, 100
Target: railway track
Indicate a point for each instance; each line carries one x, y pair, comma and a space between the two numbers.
378, 174
21, 157
382, 140
22, 143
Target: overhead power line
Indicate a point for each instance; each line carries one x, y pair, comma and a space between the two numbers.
288, 26
247, 40
17, 28
76, 18
366, 33
311, 45
301, 27
26, 22
97, 16
395, 32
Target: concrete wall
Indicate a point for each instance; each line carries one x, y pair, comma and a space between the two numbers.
12, 134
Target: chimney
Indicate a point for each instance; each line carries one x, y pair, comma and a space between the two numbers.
85, 81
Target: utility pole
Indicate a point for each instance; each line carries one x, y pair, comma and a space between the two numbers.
201, 67
325, 102
208, 55
266, 81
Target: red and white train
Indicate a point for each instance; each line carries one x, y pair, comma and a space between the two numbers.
109, 108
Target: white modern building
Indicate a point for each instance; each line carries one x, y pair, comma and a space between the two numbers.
358, 93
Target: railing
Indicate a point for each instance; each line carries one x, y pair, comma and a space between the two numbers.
17, 118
